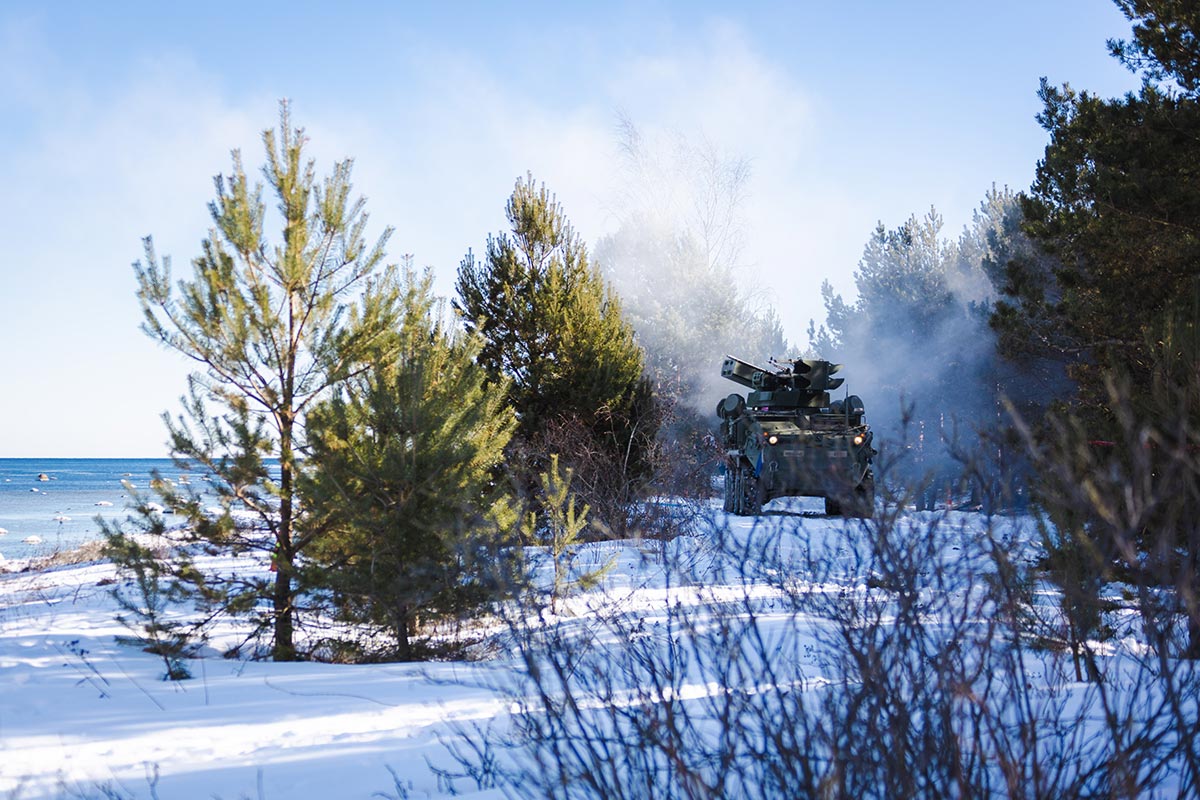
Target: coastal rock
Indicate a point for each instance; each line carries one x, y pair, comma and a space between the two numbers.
43, 477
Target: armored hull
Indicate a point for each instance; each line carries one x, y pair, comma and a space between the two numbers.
786, 438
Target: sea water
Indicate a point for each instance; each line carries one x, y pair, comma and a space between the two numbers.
59, 512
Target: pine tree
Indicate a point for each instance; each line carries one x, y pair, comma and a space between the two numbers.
1166, 41
550, 323
1115, 201
555, 331
146, 591
401, 483
562, 531
273, 327
1116, 206
918, 331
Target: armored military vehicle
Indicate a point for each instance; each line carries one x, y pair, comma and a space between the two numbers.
785, 438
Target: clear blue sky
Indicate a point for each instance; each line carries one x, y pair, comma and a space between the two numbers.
116, 116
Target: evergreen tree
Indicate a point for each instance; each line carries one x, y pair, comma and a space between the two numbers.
903, 278
273, 327
145, 593
1166, 41
897, 336
1024, 373
549, 322
1116, 202
400, 487
555, 331
918, 331
563, 528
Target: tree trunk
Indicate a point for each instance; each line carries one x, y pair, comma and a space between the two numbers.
403, 642
284, 648
1191, 599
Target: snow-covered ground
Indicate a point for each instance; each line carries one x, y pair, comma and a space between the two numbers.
84, 716
81, 715
78, 711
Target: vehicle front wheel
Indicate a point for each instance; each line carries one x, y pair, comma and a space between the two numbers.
858, 504
863, 502
730, 487
747, 496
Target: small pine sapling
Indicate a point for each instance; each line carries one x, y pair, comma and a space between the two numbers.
562, 527
145, 594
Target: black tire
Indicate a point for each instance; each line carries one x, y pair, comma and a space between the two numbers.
747, 497
858, 504
863, 504
754, 493
739, 491
730, 484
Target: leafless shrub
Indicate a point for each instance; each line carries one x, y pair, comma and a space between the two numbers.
622, 473
1121, 532
895, 657
86, 553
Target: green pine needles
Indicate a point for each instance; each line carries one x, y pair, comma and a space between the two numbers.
561, 529
340, 426
148, 595
410, 526
553, 329
273, 326
551, 324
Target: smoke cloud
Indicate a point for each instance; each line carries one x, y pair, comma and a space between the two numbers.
675, 260
917, 342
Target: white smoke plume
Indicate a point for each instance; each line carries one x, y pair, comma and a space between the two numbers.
917, 343
675, 261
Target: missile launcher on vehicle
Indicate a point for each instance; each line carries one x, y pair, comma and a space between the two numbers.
785, 438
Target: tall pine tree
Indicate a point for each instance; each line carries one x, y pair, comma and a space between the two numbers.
919, 331
1117, 202
554, 330
273, 326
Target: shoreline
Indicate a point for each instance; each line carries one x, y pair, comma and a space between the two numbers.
85, 554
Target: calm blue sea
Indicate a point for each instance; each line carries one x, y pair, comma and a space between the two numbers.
61, 511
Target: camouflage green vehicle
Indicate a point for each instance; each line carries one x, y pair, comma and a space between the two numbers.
785, 438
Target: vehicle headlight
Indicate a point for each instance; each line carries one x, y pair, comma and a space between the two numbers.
859, 438
772, 439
